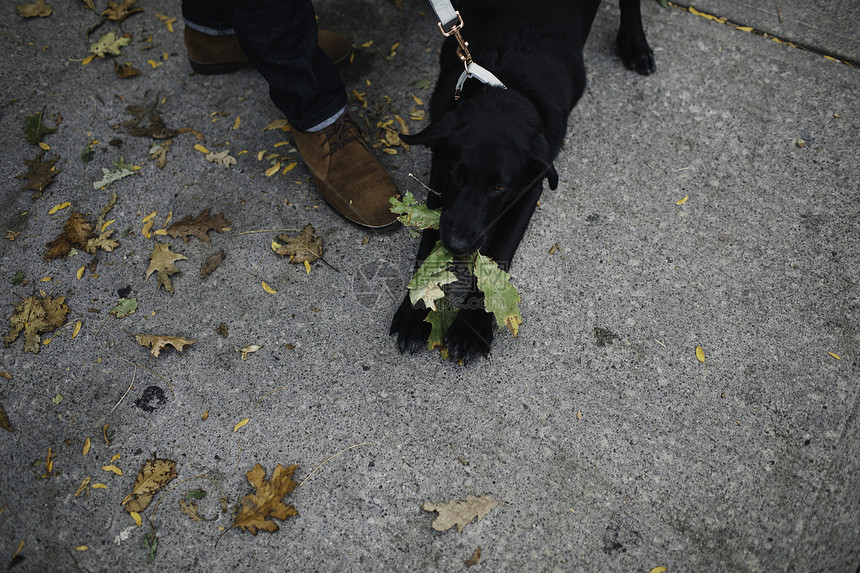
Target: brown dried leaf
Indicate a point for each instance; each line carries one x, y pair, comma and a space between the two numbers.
268, 499
158, 341
77, 232
40, 175
125, 70
161, 261
211, 264
103, 242
119, 12
35, 316
475, 558
460, 513
156, 129
4, 420
306, 246
189, 508
153, 475
38, 9
199, 227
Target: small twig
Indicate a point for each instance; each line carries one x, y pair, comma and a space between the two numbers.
266, 394
331, 458
425, 185
73, 419
267, 231
130, 386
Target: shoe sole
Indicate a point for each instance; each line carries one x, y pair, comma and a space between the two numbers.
230, 67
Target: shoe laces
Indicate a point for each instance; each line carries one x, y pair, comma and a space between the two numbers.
338, 134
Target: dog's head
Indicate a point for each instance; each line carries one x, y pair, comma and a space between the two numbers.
484, 160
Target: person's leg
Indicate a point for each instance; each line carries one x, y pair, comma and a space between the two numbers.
279, 37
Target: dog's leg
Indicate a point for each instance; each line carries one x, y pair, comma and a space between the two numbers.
471, 333
632, 45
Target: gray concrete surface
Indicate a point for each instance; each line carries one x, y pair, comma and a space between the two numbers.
620, 456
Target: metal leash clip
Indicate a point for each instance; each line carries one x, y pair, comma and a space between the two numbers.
463, 49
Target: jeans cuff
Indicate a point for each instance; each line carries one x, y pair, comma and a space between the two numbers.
327, 122
208, 30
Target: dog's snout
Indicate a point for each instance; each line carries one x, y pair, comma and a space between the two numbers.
461, 237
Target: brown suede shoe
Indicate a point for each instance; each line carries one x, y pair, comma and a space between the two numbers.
347, 174
223, 54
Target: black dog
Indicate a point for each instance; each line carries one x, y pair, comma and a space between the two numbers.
492, 148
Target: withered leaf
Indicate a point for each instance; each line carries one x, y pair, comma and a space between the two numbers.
157, 341
267, 501
199, 226
77, 232
306, 246
34, 128
35, 316
153, 475
158, 152
143, 113
4, 420
222, 158
211, 264
125, 70
475, 558
119, 12
460, 513
189, 508
162, 261
40, 175
38, 9
103, 242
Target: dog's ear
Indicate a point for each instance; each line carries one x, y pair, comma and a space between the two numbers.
544, 166
433, 135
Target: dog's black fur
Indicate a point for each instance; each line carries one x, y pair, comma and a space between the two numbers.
492, 149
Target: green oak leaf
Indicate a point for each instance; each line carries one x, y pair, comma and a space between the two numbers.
414, 214
427, 283
439, 320
123, 169
500, 296
34, 129
124, 307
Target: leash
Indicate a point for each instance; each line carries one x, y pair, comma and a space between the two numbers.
450, 23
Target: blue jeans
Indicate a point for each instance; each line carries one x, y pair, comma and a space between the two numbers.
279, 37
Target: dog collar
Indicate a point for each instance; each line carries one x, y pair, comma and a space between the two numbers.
481, 74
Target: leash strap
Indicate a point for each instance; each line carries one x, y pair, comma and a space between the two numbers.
450, 23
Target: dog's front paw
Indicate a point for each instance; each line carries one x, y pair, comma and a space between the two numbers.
470, 335
408, 323
636, 54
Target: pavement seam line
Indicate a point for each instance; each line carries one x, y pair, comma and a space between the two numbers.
750, 29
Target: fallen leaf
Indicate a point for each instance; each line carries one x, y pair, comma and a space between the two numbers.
460, 513
836, 356
682, 200
86, 449
136, 517
126, 70
103, 242
157, 341
501, 298
281, 124
158, 152
77, 329
119, 12
189, 508
426, 285
4, 420
440, 320
35, 316
83, 487
153, 475
658, 570
77, 232
700, 354
248, 350
267, 501
475, 558
211, 264
113, 469
305, 246
155, 128
34, 128
269, 289
162, 261
109, 43
38, 9
222, 158
199, 226
40, 174
120, 171
414, 214
241, 424
124, 307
